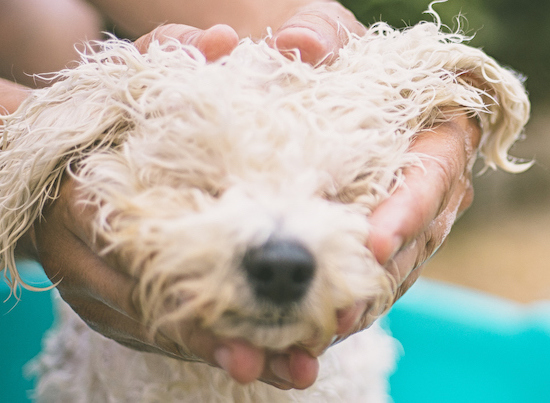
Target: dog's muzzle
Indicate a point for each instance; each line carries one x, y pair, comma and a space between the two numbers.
279, 271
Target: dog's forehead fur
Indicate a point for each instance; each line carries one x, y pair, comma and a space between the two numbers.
191, 163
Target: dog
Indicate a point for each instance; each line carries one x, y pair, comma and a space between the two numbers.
239, 193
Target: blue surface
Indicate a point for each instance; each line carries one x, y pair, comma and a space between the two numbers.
464, 346
22, 325
458, 345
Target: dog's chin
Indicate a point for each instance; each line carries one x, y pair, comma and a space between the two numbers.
274, 330
267, 319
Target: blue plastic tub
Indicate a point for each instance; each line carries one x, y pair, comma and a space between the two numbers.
465, 346
22, 325
458, 345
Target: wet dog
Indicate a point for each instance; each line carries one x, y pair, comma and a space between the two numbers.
238, 193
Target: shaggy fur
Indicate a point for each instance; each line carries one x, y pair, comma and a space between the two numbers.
192, 164
78, 365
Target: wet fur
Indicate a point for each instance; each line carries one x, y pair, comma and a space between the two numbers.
192, 163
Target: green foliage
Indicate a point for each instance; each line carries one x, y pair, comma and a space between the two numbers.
517, 33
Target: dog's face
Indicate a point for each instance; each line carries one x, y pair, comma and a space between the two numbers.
258, 235
238, 192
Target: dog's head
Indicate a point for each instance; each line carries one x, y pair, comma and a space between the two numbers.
240, 196
238, 192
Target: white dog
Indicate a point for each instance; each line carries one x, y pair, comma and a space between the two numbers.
240, 192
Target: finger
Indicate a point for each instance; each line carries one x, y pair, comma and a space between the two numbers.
79, 271
292, 369
347, 318
408, 283
215, 42
416, 251
359, 317
243, 362
317, 32
240, 359
426, 191
101, 296
405, 266
246, 363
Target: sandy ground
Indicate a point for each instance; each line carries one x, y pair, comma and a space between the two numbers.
502, 244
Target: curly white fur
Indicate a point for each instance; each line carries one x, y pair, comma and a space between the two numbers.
192, 163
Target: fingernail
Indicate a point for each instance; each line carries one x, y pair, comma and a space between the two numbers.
222, 355
279, 366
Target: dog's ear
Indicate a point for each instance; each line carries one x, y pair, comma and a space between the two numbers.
51, 131
507, 111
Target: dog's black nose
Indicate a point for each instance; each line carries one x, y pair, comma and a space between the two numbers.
280, 270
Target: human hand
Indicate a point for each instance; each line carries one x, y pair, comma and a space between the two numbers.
410, 226
316, 30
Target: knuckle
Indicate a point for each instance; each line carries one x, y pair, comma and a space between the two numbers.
446, 172
445, 175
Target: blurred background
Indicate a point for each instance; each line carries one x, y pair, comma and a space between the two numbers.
501, 245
